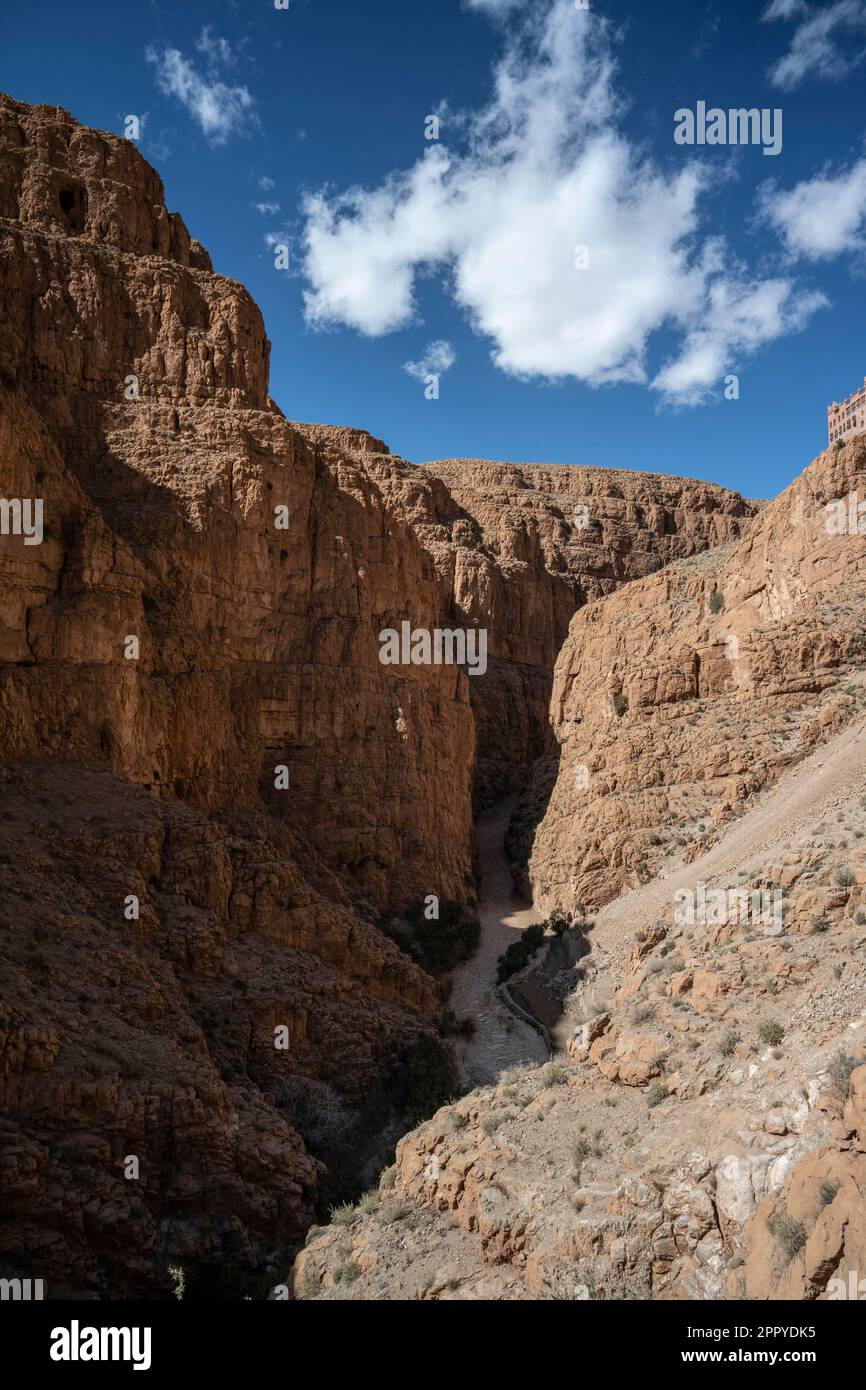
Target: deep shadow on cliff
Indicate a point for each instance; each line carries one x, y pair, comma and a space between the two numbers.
202, 826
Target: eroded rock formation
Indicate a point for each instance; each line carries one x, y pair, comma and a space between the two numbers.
195, 717
676, 700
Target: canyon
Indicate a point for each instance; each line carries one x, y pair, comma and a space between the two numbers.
687, 648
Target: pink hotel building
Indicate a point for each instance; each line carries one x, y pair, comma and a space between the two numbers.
847, 417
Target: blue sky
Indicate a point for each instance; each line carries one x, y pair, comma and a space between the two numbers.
556, 130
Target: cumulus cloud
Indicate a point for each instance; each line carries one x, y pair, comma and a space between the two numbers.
438, 358
826, 43
738, 318
821, 217
544, 170
218, 108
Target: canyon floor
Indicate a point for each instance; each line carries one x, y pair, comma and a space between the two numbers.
501, 1038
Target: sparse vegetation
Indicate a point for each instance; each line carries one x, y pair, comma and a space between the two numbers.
440, 943
519, 953
788, 1233
771, 1032
840, 1069
558, 922
554, 1074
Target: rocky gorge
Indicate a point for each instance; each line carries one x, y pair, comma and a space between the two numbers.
222, 813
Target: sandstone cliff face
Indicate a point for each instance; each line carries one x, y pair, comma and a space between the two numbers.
517, 549
254, 562
257, 649
555, 538
675, 701
250, 635
701, 1135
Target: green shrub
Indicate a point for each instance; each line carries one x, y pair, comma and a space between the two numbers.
620, 705
840, 1069
580, 1152
656, 1094
519, 952
430, 1078
790, 1234
554, 1074
558, 922
827, 1192
717, 601
439, 944
771, 1032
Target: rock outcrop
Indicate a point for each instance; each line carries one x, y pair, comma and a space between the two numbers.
198, 627
213, 788
701, 1137
678, 699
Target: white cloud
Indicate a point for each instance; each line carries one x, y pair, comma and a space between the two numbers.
217, 51
267, 209
739, 317
785, 9
438, 358
219, 109
544, 170
826, 43
821, 217
265, 183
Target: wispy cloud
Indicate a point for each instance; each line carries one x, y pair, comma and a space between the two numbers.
826, 43
217, 51
785, 9
544, 169
265, 183
438, 357
267, 209
221, 110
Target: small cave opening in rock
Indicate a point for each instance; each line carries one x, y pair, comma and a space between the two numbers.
73, 206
